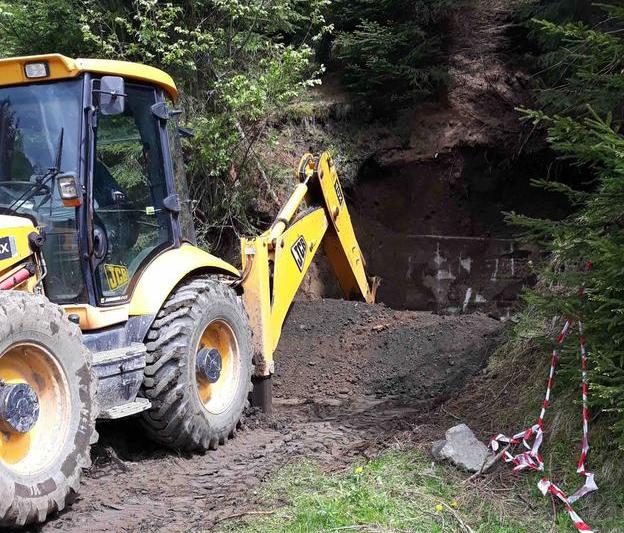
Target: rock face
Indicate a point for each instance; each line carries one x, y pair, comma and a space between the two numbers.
462, 448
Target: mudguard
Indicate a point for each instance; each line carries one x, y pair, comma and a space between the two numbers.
167, 270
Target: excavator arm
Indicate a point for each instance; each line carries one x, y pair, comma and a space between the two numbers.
275, 262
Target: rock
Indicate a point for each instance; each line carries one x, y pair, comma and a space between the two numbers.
462, 448
436, 448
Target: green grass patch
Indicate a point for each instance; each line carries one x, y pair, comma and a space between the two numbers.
400, 490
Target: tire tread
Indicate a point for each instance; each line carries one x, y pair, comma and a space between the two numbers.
172, 421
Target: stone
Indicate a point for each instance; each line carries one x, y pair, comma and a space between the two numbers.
436, 448
463, 449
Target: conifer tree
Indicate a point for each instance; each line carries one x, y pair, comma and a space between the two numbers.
582, 99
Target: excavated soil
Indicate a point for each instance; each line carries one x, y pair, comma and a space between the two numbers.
351, 378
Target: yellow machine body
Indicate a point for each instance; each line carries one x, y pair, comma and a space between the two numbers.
153, 287
167, 270
273, 263
12, 71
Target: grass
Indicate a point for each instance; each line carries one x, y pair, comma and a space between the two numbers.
400, 490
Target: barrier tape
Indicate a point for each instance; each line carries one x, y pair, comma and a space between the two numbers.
531, 458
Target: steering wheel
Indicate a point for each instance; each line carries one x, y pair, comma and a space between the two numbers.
41, 190
101, 242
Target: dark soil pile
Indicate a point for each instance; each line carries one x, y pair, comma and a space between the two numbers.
338, 349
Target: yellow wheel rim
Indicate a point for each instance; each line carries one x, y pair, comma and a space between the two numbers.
217, 397
31, 452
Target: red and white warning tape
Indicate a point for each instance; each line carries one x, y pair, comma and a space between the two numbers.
531, 458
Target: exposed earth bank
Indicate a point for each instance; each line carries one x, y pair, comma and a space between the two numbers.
350, 379
429, 186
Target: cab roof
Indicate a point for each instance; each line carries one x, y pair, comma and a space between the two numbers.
12, 70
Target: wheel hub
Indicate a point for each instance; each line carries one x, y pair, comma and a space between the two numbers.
208, 364
19, 407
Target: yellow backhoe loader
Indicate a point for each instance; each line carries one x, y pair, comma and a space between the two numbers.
108, 308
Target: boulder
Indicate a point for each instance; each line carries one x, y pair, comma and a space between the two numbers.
463, 449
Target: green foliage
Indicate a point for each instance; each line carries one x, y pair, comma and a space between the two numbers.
585, 67
559, 11
582, 111
149, 32
40, 26
391, 52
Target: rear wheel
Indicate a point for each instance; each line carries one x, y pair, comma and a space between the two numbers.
47, 408
198, 375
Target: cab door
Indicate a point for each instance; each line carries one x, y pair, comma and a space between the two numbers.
129, 186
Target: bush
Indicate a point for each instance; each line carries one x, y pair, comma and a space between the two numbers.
41, 26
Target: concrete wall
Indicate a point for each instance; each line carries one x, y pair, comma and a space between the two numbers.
454, 274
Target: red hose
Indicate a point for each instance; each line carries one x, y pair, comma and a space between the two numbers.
19, 277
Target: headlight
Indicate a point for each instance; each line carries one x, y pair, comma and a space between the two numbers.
37, 70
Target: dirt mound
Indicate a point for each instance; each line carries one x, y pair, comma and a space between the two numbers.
338, 349
337, 365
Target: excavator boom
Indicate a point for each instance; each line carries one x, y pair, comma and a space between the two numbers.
275, 262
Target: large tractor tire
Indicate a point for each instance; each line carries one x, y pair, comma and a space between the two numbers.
47, 408
198, 375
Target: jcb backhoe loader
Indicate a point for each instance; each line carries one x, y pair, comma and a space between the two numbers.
107, 307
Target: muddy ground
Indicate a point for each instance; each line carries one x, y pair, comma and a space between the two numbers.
351, 378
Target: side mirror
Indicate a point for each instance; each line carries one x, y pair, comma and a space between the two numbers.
69, 189
112, 95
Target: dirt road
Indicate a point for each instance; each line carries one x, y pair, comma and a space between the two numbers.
337, 365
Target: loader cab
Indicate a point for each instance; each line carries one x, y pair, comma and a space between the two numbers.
106, 133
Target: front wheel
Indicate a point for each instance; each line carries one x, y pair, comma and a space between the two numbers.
47, 408
198, 375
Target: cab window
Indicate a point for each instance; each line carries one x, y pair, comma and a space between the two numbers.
129, 188
39, 124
